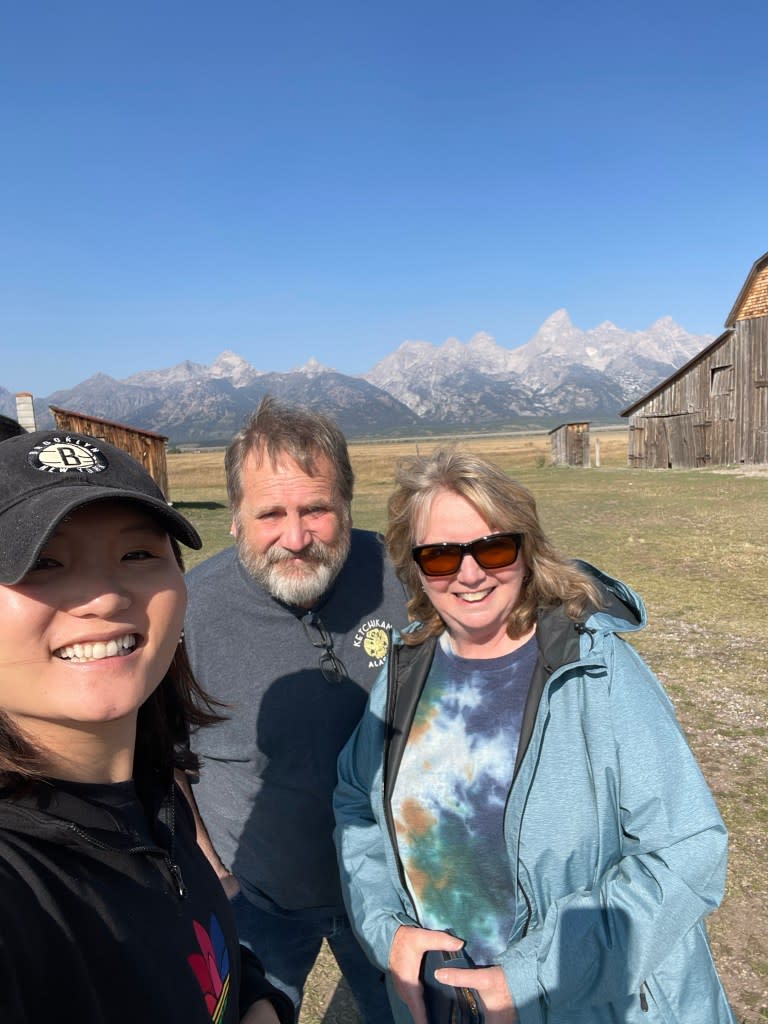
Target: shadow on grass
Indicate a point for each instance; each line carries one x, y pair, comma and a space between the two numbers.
342, 1008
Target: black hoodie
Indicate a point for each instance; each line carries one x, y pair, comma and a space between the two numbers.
110, 914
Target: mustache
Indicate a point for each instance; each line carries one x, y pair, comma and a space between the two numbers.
316, 551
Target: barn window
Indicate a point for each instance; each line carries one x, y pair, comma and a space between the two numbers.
721, 380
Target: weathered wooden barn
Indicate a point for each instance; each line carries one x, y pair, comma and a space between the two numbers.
714, 410
569, 444
146, 447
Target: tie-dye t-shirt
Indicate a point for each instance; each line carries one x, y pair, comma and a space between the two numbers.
451, 789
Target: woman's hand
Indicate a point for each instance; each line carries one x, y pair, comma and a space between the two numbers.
406, 953
490, 984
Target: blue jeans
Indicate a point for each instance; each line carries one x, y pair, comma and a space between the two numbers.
287, 943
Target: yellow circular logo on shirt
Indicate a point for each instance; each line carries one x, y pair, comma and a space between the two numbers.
376, 643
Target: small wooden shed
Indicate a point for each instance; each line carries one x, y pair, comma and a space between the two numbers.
570, 444
146, 447
714, 410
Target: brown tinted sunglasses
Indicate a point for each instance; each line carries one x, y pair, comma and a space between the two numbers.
496, 551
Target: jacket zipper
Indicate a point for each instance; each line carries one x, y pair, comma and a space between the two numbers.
173, 868
467, 996
529, 910
390, 711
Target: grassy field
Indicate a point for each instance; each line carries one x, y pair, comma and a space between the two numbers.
694, 545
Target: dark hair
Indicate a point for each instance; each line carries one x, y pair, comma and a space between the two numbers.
275, 429
506, 506
162, 727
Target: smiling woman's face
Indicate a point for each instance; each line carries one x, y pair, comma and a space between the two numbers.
90, 631
474, 603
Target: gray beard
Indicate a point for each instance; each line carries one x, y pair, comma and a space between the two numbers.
302, 585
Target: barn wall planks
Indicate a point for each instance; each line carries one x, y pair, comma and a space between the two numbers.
713, 411
146, 447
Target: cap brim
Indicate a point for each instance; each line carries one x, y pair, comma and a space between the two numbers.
28, 526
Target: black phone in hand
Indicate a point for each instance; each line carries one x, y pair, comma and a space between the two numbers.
445, 1004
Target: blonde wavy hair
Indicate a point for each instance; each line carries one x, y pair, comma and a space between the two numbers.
507, 507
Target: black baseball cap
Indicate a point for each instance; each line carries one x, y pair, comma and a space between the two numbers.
48, 474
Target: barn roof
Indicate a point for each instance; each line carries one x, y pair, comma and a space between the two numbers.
757, 267
572, 423
108, 423
678, 373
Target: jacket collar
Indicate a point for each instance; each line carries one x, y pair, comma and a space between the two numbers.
45, 809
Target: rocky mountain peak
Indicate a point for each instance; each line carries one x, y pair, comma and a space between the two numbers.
558, 320
312, 368
482, 342
666, 323
228, 365
556, 333
608, 325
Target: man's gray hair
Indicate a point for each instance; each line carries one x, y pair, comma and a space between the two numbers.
276, 429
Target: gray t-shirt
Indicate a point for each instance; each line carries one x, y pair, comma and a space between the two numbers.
269, 770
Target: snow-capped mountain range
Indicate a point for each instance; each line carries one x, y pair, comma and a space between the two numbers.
561, 373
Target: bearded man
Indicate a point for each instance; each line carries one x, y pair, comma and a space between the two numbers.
288, 628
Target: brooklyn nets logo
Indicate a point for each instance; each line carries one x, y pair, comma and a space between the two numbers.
66, 454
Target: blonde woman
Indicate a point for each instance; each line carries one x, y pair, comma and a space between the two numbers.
519, 788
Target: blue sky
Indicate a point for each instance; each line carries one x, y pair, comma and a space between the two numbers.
297, 179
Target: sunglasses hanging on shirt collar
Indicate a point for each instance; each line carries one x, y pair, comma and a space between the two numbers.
331, 664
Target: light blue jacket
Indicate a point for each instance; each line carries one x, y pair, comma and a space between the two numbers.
613, 836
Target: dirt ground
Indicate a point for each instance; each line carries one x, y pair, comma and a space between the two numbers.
327, 997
